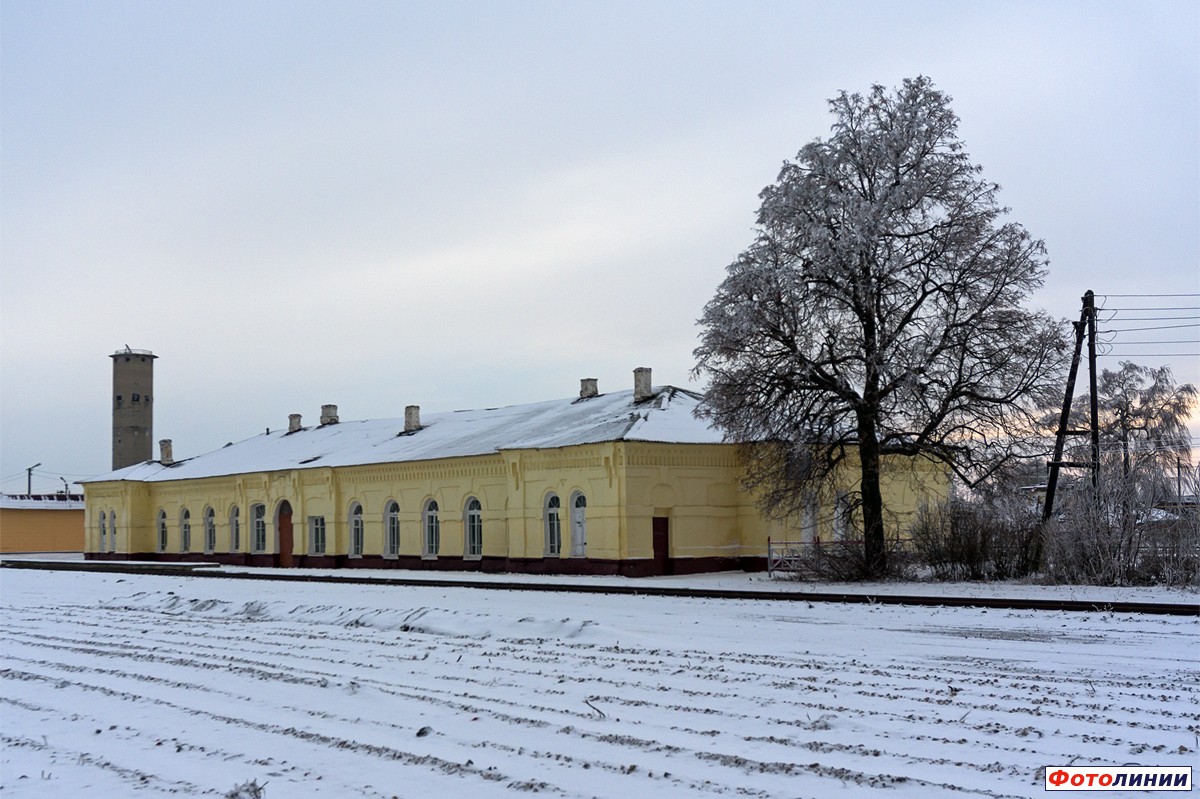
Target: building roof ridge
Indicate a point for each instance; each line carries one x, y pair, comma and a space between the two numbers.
665, 416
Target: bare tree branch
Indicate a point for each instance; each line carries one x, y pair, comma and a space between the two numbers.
879, 311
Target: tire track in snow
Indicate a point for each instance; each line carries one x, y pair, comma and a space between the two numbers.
575, 718
832, 684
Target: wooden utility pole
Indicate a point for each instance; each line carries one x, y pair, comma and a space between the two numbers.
1086, 323
1089, 310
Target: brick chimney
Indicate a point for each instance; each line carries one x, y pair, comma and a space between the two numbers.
329, 414
412, 418
165, 455
588, 387
641, 384
293, 422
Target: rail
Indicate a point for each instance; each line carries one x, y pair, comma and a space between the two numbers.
865, 598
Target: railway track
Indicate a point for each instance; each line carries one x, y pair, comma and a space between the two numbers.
865, 598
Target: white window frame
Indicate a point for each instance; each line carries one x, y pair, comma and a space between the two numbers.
162, 530
356, 531
578, 508
431, 529
552, 511
473, 530
185, 530
112, 531
316, 535
235, 529
258, 528
103, 531
210, 531
391, 529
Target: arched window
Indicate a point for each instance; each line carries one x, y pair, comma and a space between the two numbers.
808, 521
473, 526
843, 518
235, 529
579, 526
391, 526
185, 530
356, 531
210, 530
433, 530
258, 520
103, 532
553, 526
162, 531
112, 531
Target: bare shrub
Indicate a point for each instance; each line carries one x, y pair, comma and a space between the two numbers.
1170, 552
846, 561
961, 540
1115, 535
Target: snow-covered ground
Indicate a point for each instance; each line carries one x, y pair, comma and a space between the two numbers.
120, 684
733, 581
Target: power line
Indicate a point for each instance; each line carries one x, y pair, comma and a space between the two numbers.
1159, 327
1148, 355
1159, 308
1148, 295
1118, 318
1144, 343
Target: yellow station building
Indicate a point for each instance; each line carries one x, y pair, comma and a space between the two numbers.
627, 483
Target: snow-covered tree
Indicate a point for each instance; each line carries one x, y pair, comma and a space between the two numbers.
879, 311
1143, 416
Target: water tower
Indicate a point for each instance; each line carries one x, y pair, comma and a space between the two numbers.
133, 407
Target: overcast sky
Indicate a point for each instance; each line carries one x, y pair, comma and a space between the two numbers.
472, 204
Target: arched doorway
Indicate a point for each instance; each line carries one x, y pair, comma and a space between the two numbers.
283, 524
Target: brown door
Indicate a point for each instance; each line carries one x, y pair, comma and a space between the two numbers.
662, 539
285, 535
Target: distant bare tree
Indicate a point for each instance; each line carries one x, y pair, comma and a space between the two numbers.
1118, 533
1143, 423
879, 311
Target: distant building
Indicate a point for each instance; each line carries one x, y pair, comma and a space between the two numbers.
41, 523
628, 483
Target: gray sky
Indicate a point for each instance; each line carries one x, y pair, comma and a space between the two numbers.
472, 204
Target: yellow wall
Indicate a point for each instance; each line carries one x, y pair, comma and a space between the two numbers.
626, 485
41, 530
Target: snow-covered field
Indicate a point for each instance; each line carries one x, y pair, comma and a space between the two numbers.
119, 684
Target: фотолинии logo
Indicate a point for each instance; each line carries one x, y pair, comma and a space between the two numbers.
1118, 778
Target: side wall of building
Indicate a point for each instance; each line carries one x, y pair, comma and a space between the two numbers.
514, 491
633, 508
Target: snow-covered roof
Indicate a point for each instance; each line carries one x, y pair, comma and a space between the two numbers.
41, 501
666, 417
